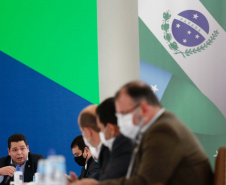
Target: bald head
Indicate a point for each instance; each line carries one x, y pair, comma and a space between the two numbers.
138, 91
87, 118
90, 109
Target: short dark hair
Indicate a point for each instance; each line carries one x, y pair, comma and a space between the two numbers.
139, 91
106, 112
79, 142
89, 120
16, 138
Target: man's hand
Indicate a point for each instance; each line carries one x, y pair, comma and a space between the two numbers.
72, 178
7, 170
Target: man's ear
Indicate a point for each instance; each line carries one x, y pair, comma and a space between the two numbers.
144, 108
112, 129
9, 152
88, 131
86, 150
110, 126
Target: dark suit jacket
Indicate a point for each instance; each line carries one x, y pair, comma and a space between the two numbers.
92, 171
30, 167
168, 154
119, 158
103, 158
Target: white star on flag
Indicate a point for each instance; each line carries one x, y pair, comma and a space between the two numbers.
184, 40
197, 36
189, 32
216, 154
178, 25
195, 16
154, 88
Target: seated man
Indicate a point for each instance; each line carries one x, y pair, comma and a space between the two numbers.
19, 154
90, 131
120, 146
83, 157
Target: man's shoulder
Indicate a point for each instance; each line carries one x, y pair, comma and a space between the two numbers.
4, 161
167, 120
167, 117
168, 127
122, 138
122, 142
4, 158
93, 169
34, 156
93, 164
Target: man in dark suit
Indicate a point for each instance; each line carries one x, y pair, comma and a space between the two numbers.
19, 154
103, 159
90, 131
120, 146
83, 157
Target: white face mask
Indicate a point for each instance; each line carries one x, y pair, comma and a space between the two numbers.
94, 151
126, 126
108, 143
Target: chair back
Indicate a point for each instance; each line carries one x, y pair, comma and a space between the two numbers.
220, 167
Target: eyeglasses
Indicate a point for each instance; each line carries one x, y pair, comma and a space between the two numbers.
128, 111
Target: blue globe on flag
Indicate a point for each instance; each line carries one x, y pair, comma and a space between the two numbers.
190, 28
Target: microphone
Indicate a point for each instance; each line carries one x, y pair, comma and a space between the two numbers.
6, 180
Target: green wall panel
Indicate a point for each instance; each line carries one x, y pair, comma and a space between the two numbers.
56, 38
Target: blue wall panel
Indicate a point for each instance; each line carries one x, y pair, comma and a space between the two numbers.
45, 112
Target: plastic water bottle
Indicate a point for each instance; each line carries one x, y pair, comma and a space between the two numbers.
40, 178
55, 170
18, 176
36, 178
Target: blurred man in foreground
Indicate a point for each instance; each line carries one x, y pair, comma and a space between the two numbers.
166, 151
